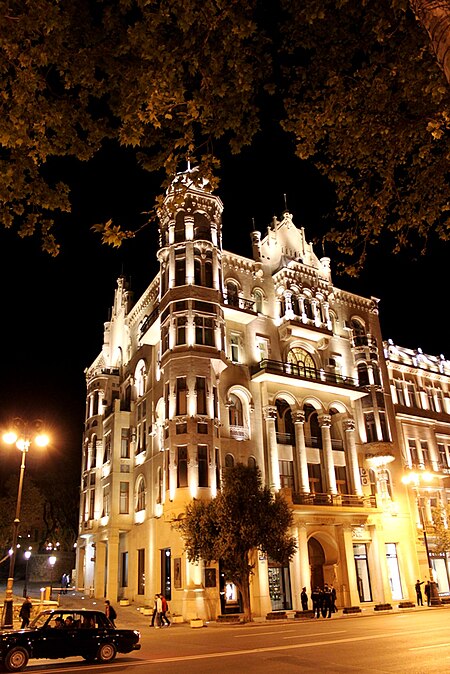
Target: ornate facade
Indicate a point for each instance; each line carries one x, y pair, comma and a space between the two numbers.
264, 361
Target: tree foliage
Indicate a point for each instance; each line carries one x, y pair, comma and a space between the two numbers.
243, 518
356, 83
441, 519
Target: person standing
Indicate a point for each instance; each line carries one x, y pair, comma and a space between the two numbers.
304, 599
326, 601
427, 590
110, 612
333, 599
164, 609
419, 592
155, 613
25, 612
316, 596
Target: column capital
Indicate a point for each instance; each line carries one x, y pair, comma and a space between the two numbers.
299, 417
324, 420
270, 412
349, 425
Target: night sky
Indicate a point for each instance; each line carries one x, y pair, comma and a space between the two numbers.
54, 308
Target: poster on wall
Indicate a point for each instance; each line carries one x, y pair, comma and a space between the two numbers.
177, 573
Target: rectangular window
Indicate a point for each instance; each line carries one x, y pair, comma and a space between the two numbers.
107, 448
166, 400
182, 467
217, 458
202, 429
202, 456
124, 502
384, 426
141, 571
443, 455
181, 429
125, 443
286, 473
164, 338
180, 271
181, 330
215, 403
94, 452
91, 504
204, 331
425, 453
413, 453
341, 479
234, 344
362, 572
400, 392
315, 478
181, 395
371, 431
105, 509
124, 569
200, 388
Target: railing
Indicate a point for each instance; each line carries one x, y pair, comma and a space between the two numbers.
311, 441
239, 433
337, 500
300, 372
149, 320
239, 302
364, 340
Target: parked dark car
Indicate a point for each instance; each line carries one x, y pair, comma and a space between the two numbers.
63, 633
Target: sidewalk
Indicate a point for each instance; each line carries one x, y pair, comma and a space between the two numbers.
132, 617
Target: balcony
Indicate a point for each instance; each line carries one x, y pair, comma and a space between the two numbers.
335, 500
312, 441
310, 378
239, 433
238, 309
151, 328
365, 340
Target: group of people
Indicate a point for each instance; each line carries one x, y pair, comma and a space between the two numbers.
159, 616
426, 589
323, 601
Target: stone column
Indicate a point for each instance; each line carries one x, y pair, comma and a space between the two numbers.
352, 456
99, 569
325, 425
300, 458
305, 569
270, 415
112, 579
350, 593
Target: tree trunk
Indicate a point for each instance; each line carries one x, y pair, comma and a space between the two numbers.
244, 589
434, 16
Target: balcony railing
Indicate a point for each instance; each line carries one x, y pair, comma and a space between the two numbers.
239, 303
311, 441
239, 433
336, 500
301, 372
151, 318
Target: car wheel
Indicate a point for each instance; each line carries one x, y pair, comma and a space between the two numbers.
106, 653
15, 660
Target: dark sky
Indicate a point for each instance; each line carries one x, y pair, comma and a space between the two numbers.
54, 308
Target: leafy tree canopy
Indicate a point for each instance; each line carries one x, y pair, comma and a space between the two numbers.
356, 83
244, 517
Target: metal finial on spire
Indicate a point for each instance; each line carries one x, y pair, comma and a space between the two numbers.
285, 202
253, 224
188, 165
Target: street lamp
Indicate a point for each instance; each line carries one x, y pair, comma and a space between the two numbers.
52, 562
23, 435
415, 479
27, 555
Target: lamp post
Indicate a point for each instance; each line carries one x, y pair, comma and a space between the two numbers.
52, 562
27, 555
415, 479
23, 435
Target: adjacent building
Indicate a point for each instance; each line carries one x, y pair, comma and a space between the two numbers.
264, 361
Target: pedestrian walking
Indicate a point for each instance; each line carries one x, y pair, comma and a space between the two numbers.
25, 612
316, 597
304, 599
326, 601
110, 612
419, 592
164, 608
155, 613
158, 602
427, 590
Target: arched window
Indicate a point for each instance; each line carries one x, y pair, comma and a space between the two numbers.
257, 294
208, 274
180, 234
140, 378
284, 424
140, 494
202, 227
359, 333
308, 308
313, 433
295, 305
363, 374
232, 294
251, 462
229, 461
302, 361
159, 485
197, 272
235, 411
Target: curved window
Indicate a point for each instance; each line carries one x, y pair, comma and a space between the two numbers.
235, 411
229, 461
308, 308
232, 294
363, 375
202, 227
359, 333
283, 424
140, 495
302, 361
251, 463
179, 228
296, 306
258, 301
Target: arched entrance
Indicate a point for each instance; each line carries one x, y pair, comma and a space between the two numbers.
316, 561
